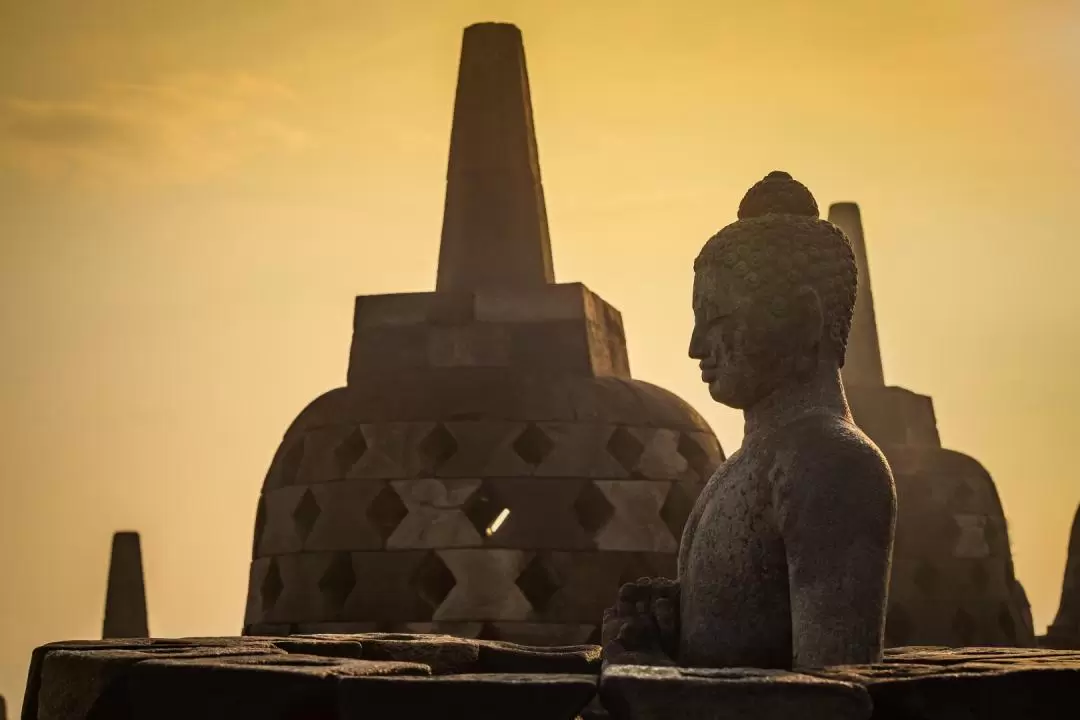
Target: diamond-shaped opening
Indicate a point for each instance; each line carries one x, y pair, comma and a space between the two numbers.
980, 578
897, 626
927, 577
291, 459
675, 510
271, 587
350, 450
592, 508
435, 449
433, 581
697, 460
625, 448
537, 584
339, 580
305, 514
533, 445
483, 510
1007, 624
260, 526
964, 626
386, 511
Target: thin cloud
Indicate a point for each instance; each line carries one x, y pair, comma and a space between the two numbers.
180, 130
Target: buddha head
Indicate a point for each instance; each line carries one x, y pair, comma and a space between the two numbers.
774, 294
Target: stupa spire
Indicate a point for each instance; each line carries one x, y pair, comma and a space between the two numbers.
863, 367
495, 230
125, 603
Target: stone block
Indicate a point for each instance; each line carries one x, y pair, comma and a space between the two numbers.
485, 586
387, 350
983, 683
435, 517
551, 347
473, 345
894, 416
286, 686
635, 524
394, 309
579, 450
69, 682
563, 301
488, 696
657, 693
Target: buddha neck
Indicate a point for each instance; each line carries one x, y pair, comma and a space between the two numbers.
824, 392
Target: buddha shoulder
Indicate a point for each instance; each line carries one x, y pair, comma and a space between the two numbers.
823, 453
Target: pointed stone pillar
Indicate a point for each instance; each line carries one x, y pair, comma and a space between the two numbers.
125, 602
495, 230
1065, 632
863, 367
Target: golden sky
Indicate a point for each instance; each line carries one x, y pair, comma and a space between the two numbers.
192, 192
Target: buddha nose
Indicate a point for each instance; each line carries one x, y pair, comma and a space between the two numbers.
697, 348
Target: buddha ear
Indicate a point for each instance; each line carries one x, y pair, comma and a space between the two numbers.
811, 316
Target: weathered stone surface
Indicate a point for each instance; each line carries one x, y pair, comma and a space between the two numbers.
125, 601
953, 581
982, 683
631, 692
478, 417
491, 696
305, 677
278, 686
72, 680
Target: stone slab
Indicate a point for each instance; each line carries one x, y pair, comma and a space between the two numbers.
491, 696
285, 687
631, 692
977, 683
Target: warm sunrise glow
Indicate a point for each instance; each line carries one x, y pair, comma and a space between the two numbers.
191, 194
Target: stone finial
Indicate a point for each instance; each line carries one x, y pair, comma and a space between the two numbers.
125, 603
1067, 623
863, 367
495, 230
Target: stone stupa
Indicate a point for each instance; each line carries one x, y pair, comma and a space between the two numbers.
1065, 631
490, 469
125, 599
953, 582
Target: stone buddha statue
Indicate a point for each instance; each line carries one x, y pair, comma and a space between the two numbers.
785, 559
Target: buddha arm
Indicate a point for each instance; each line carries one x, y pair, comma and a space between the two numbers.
836, 508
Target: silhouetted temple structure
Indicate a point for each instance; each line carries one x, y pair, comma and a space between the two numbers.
1065, 632
953, 582
125, 601
490, 469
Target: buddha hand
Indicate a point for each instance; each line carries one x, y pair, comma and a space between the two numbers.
643, 627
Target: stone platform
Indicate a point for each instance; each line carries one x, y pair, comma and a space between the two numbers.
339, 677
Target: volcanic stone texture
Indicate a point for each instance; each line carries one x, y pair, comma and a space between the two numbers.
425, 677
308, 678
